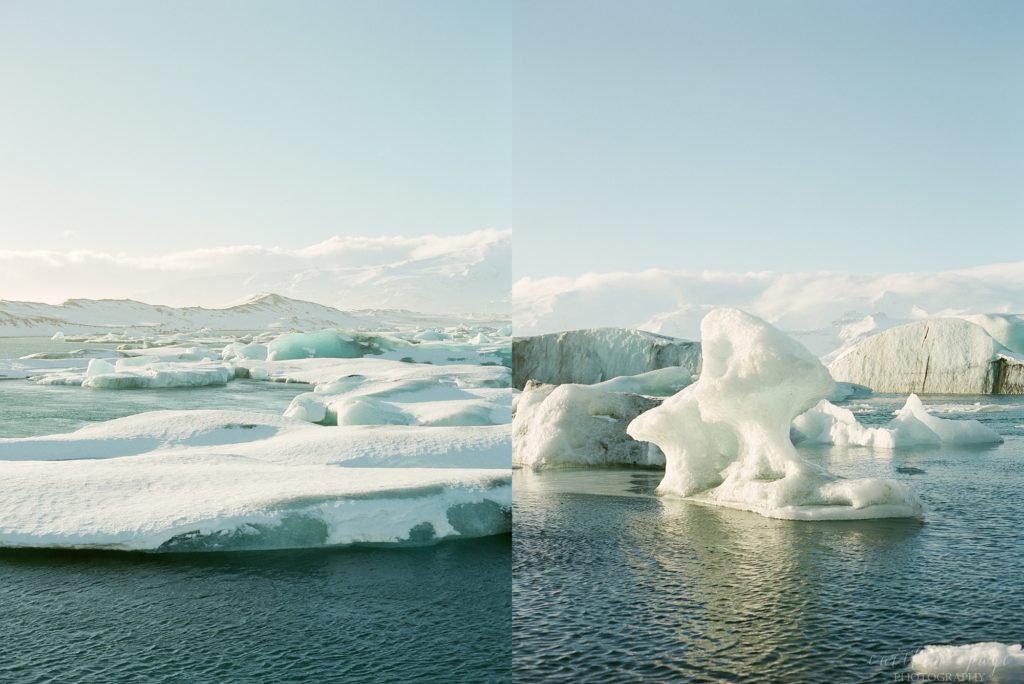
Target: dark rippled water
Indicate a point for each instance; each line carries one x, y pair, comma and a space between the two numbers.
439, 613
614, 584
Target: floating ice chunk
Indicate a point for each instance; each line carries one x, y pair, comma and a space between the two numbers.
307, 407
827, 423
400, 393
914, 425
99, 367
430, 335
102, 374
366, 411
324, 344
237, 351
986, 658
571, 425
726, 438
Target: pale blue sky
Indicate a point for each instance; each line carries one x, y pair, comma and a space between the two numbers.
152, 126
765, 134
880, 135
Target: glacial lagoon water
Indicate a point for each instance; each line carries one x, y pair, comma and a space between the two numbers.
357, 614
613, 583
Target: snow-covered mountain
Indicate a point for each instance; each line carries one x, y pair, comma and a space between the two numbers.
261, 312
428, 273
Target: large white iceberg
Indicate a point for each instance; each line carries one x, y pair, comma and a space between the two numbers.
935, 356
726, 438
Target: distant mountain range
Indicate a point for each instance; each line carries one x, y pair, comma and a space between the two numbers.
261, 312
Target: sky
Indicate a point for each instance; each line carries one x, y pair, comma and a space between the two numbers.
788, 135
737, 136
149, 128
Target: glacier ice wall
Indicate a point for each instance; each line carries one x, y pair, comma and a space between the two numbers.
591, 356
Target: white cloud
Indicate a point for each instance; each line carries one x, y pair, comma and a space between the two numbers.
818, 304
460, 273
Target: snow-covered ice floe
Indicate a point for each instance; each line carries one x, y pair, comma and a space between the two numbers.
726, 438
211, 480
404, 439
912, 427
375, 391
991, 658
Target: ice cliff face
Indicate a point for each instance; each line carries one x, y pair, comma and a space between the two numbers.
591, 356
937, 356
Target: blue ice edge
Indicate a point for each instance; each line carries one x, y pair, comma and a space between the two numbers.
411, 517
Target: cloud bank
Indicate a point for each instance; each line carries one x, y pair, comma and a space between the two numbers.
429, 273
826, 309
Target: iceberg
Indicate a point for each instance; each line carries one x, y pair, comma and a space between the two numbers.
989, 658
144, 373
913, 426
726, 438
376, 391
572, 425
590, 356
324, 344
933, 356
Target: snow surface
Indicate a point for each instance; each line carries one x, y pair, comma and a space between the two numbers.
380, 391
726, 438
92, 316
414, 444
144, 481
986, 658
